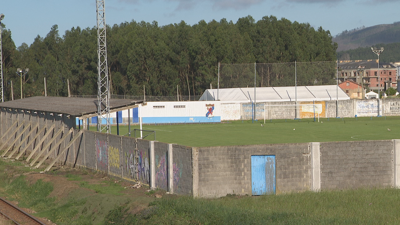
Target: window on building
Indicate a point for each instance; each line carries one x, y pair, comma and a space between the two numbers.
179, 106
390, 73
158, 106
390, 79
347, 91
376, 73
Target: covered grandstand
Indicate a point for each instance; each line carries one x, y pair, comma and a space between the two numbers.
276, 94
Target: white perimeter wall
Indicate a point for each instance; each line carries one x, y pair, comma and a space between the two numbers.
232, 110
179, 109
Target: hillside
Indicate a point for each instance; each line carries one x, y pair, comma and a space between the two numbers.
390, 54
369, 36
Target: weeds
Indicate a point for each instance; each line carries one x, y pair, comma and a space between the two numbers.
364, 206
73, 177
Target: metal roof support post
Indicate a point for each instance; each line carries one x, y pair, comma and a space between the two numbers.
337, 89
255, 85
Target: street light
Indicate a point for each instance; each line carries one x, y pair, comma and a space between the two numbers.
378, 53
22, 73
1, 57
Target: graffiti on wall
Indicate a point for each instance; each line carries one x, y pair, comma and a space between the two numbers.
394, 107
113, 159
310, 109
141, 165
367, 107
177, 173
102, 154
162, 172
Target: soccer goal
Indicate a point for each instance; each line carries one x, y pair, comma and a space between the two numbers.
143, 134
293, 111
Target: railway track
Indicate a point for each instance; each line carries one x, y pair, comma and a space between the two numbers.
17, 215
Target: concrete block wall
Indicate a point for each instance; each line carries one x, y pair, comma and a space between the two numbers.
182, 172
218, 171
89, 150
143, 161
115, 156
273, 111
227, 170
128, 158
347, 165
161, 165
391, 107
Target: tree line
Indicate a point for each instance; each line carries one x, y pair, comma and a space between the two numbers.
158, 57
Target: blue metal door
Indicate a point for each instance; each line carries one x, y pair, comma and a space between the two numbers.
135, 113
263, 174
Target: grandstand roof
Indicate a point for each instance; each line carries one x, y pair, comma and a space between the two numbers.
276, 94
72, 106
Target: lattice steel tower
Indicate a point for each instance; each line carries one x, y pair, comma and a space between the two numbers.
103, 95
1, 58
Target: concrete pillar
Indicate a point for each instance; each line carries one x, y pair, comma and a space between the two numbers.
152, 166
315, 166
396, 162
195, 170
84, 124
170, 169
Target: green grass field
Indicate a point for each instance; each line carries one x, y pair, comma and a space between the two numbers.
274, 131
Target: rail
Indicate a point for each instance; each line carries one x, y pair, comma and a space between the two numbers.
17, 215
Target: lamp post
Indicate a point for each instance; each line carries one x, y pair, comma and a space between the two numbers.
1, 57
378, 53
22, 73
360, 70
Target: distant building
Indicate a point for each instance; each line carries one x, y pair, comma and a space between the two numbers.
352, 89
365, 73
371, 95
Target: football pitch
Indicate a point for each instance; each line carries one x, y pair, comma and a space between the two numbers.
272, 132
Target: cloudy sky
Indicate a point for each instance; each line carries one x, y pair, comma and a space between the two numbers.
29, 18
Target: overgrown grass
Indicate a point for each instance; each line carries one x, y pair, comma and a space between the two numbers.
86, 204
106, 187
373, 206
73, 177
30, 196
274, 131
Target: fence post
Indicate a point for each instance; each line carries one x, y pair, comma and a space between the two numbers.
195, 170
396, 161
170, 169
315, 166
152, 166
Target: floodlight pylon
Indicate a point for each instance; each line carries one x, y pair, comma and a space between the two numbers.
103, 95
1, 58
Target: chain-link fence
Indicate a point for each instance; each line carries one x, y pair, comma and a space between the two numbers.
277, 74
